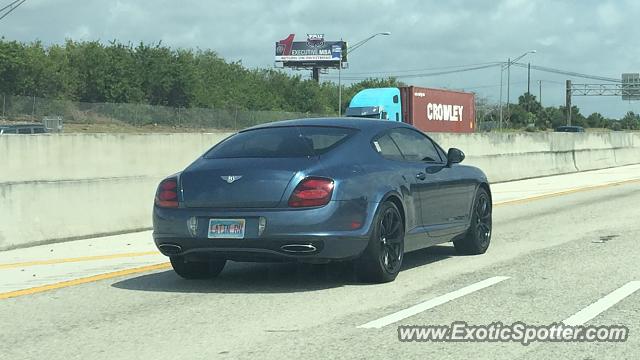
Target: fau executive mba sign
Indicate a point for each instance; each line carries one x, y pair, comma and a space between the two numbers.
315, 52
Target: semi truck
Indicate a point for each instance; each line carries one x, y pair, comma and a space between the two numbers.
430, 110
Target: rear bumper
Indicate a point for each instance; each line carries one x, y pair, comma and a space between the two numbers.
312, 235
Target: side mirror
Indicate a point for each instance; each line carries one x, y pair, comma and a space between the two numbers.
454, 156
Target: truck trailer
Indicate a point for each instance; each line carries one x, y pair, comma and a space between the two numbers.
430, 110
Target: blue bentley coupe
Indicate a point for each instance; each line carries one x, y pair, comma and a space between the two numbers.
319, 190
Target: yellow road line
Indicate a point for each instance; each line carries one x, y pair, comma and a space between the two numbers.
77, 259
167, 265
85, 280
565, 192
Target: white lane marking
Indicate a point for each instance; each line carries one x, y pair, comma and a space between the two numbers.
603, 304
403, 314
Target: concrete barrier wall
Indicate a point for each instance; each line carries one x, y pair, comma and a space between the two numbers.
57, 187
513, 156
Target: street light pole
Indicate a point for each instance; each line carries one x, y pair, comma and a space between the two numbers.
508, 67
357, 45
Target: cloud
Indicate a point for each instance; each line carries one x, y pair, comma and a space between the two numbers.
81, 32
587, 36
609, 15
548, 40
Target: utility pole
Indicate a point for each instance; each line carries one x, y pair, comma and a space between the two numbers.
340, 81
528, 86
568, 103
340, 87
540, 92
508, 84
500, 102
529, 79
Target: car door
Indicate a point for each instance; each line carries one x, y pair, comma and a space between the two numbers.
456, 192
419, 151
386, 147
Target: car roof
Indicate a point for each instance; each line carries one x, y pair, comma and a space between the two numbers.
349, 122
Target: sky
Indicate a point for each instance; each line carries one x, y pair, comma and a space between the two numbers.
588, 36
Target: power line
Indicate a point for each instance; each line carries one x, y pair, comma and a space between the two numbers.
449, 72
568, 73
426, 69
11, 7
426, 74
490, 86
552, 82
472, 67
1, 10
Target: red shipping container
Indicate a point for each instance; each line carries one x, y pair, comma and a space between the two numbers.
438, 110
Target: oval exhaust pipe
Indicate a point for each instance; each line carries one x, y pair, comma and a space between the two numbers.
298, 248
170, 249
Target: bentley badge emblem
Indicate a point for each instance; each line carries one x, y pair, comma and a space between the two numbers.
231, 178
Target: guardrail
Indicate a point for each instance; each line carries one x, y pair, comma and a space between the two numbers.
67, 186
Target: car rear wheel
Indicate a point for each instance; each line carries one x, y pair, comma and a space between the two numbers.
197, 270
478, 237
382, 259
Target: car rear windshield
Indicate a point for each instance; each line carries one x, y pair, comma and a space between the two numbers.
290, 141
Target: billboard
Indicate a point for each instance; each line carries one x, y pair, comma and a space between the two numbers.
631, 86
314, 52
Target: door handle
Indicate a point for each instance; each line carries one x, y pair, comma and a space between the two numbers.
421, 176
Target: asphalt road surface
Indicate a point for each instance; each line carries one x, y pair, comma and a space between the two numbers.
554, 256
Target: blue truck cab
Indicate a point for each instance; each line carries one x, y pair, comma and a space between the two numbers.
378, 103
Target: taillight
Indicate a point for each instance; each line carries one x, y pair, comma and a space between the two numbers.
312, 192
167, 193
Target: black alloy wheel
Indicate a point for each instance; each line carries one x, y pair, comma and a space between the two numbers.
382, 259
478, 237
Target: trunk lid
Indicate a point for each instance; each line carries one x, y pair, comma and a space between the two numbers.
256, 182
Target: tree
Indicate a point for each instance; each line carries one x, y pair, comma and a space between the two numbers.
155, 74
552, 117
529, 103
596, 120
631, 121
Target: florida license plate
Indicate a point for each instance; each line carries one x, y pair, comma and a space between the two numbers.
226, 228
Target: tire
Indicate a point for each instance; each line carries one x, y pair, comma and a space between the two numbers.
197, 270
382, 259
477, 239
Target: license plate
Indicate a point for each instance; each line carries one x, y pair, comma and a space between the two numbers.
226, 228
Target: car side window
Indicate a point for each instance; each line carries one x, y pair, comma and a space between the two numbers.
440, 150
415, 146
387, 148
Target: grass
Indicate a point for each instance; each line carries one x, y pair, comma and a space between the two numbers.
114, 126
130, 129
97, 124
